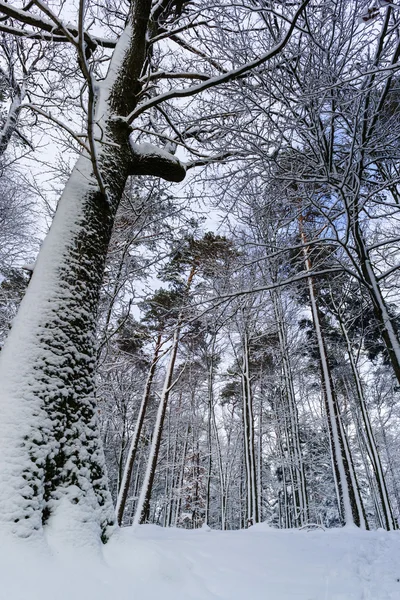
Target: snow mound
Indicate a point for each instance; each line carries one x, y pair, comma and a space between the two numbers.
150, 563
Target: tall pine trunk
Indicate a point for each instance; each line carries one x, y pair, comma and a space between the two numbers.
248, 436
293, 441
369, 438
126, 478
350, 503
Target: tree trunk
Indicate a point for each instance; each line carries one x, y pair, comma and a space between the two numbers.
293, 442
11, 122
248, 436
180, 477
369, 438
51, 455
351, 506
387, 327
143, 506
212, 430
126, 479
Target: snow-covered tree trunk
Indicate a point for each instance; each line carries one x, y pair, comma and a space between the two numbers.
369, 438
11, 122
248, 435
51, 461
387, 328
210, 399
173, 477
283, 500
143, 505
126, 478
180, 477
350, 502
212, 433
294, 437
390, 462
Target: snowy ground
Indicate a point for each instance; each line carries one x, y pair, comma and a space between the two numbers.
151, 563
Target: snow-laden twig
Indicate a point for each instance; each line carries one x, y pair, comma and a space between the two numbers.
220, 79
47, 26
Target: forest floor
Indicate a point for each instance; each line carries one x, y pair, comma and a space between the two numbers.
151, 563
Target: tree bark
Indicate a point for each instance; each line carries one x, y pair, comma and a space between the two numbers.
350, 503
369, 438
293, 441
143, 506
248, 436
51, 455
126, 479
387, 327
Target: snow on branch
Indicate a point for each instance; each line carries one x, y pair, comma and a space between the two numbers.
221, 158
223, 78
151, 160
52, 32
